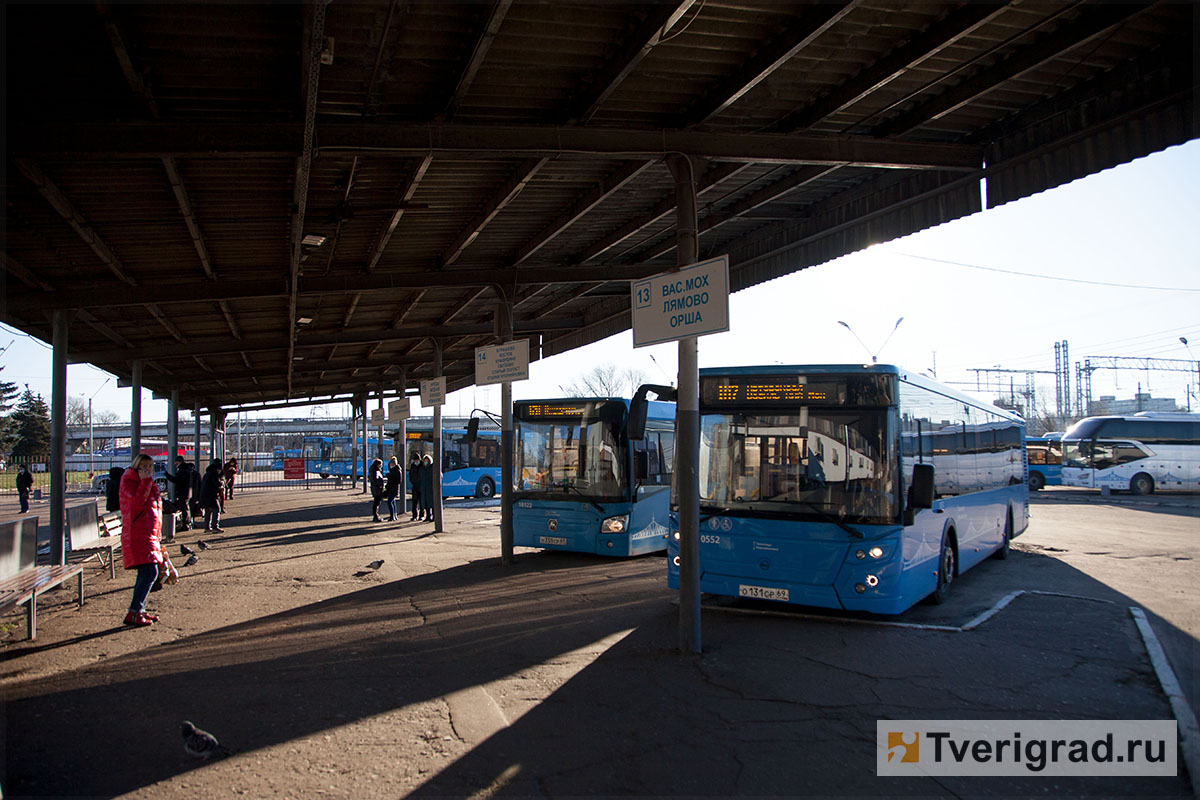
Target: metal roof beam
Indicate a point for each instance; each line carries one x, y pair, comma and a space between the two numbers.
166, 293
505, 195
1093, 21
315, 339
67, 211
945, 33
478, 54
815, 20
285, 139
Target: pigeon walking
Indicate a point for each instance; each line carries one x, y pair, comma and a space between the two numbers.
192, 559
201, 744
375, 564
187, 551
203, 544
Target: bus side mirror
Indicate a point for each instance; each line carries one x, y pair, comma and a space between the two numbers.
635, 426
641, 465
473, 430
922, 486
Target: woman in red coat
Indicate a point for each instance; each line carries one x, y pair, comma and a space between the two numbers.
141, 533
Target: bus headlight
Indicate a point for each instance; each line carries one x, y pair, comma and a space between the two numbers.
614, 524
872, 581
676, 534
876, 552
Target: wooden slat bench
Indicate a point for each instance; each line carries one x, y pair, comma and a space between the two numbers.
21, 580
91, 536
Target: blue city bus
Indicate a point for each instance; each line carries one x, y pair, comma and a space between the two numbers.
469, 468
1044, 454
582, 485
315, 450
862, 487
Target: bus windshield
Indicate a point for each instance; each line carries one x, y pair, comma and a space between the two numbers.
573, 454
810, 463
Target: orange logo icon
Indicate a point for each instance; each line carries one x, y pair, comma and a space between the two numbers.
905, 745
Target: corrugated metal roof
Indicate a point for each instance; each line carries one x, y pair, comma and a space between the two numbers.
458, 150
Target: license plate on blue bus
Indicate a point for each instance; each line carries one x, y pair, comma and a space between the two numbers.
762, 592
561, 540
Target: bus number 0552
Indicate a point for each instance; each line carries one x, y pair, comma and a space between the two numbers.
708, 538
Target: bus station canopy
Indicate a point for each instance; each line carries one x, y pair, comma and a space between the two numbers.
267, 203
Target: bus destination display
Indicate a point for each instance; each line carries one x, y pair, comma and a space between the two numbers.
535, 410
767, 390
738, 390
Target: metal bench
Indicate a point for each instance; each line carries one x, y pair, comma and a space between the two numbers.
21, 580
90, 536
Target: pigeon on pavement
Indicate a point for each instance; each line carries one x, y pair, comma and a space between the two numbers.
201, 744
375, 564
187, 551
203, 544
192, 559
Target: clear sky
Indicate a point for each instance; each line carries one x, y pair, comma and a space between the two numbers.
1109, 263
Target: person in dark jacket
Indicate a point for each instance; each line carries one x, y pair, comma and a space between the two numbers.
24, 485
212, 487
426, 487
376, 482
184, 471
395, 477
414, 482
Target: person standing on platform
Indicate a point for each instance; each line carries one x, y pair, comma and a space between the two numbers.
183, 490
212, 489
24, 485
426, 487
229, 473
414, 482
141, 532
376, 481
395, 477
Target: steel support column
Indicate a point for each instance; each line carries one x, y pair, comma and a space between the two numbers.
173, 439
437, 444
506, 442
135, 414
60, 322
687, 422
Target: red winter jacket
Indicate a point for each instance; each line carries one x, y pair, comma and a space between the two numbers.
141, 524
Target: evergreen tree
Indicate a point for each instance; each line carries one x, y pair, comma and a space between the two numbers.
8, 396
32, 419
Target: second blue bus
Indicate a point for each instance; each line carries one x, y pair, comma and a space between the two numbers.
851, 487
582, 485
1045, 457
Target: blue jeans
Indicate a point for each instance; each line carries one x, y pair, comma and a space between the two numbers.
391, 501
212, 518
147, 575
24, 502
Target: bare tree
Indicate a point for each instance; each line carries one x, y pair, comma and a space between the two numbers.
105, 417
605, 380
77, 411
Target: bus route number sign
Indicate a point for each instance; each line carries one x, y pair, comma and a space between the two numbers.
692, 301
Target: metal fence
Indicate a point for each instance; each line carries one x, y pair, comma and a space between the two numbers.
89, 475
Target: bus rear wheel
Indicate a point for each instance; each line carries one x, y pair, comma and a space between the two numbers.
1037, 481
485, 488
1141, 484
946, 569
1002, 553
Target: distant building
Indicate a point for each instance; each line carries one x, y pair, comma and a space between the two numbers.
1109, 404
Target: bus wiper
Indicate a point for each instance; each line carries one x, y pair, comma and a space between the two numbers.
825, 515
716, 512
582, 494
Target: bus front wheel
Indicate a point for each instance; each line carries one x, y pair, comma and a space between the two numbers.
1037, 481
1141, 484
485, 488
946, 570
324, 475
